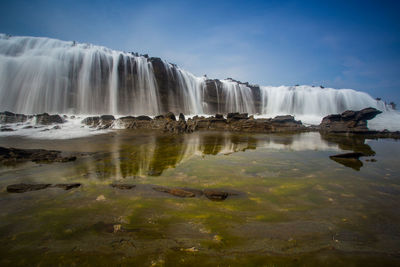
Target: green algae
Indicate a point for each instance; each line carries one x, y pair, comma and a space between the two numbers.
290, 207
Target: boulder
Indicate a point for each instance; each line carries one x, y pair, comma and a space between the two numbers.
215, 195
46, 119
91, 121
349, 121
170, 116
22, 188
9, 117
237, 116
175, 191
102, 122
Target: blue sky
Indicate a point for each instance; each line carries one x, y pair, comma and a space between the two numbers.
340, 44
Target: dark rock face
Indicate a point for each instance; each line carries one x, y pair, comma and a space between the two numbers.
349, 121
181, 117
175, 191
9, 117
47, 119
123, 186
14, 155
22, 188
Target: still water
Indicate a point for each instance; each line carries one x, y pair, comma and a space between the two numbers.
290, 204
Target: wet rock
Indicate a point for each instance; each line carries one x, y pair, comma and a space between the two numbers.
57, 127
181, 117
14, 155
9, 117
284, 119
170, 116
349, 121
91, 121
219, 116
22, 188
107, 117
6, 129
215, 195
175, 191
67, 186
123, 186
46, 119
143, 118
237, 116
102, 122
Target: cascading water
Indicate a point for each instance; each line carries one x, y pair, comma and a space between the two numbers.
313, 103
47, 75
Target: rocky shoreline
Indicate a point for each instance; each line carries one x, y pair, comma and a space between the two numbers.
348, 123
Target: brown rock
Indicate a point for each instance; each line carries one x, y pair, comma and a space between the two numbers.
175, 191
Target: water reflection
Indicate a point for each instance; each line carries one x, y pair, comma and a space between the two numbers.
355, 144
156, 153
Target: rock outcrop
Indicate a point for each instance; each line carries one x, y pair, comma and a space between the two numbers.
349, 121
242, 123
9, 117
46, 119
99, 122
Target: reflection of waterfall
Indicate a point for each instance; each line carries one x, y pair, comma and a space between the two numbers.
48, 75
161, 152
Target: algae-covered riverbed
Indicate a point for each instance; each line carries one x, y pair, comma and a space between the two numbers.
289, 203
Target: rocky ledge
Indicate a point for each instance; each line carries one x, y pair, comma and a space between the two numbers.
44, 118
168, 123
349, 121
354, 122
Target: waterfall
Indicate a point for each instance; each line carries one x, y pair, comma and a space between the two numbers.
237, 97
313, 103
47, 75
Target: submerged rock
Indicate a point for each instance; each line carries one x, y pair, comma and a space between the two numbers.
175, 191
123, 186
215, 195
14, 155
22, 188
67, 186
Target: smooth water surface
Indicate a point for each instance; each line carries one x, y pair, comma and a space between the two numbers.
292, 205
